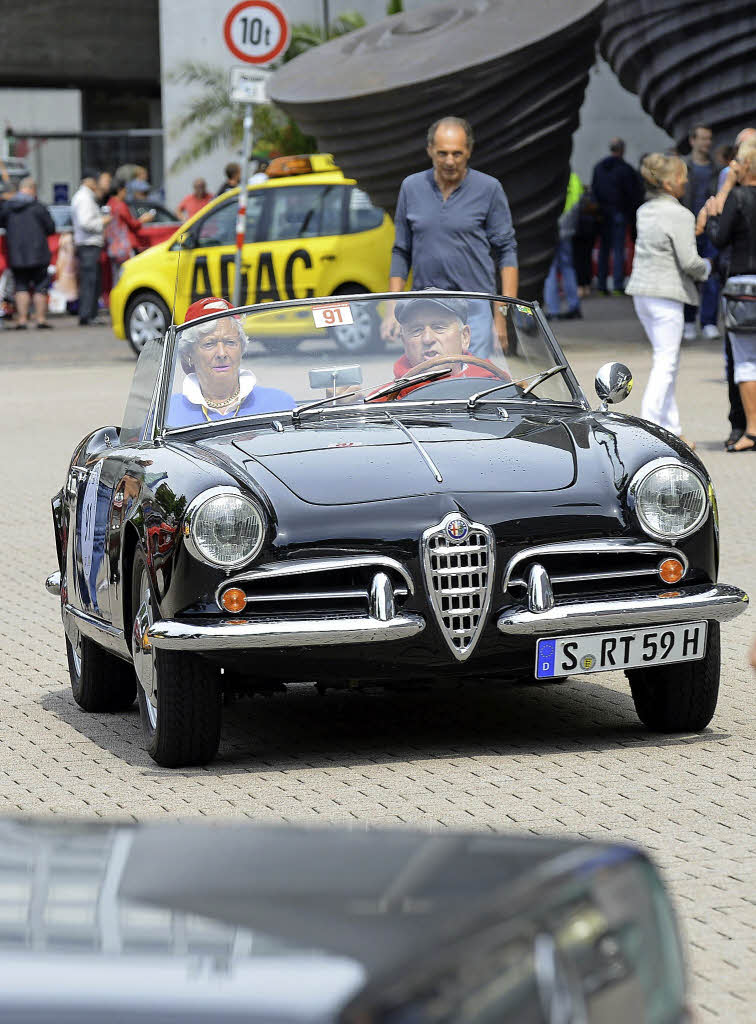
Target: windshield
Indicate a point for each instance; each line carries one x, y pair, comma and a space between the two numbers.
330, 353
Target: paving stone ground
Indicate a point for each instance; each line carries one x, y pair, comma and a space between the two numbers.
564, 760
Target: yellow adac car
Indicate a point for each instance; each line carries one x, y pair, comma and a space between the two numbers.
310, 231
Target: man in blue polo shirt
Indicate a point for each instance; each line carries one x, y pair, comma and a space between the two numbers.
454, 230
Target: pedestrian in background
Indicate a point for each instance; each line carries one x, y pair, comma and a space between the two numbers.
233, 177
89, 225
617, 191
194, 201
122, 232
701, 185
28, 225
584, 239
562, 266
453, 229
736, 227
665, 269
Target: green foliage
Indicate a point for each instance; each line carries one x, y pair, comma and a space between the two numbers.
394, 7
217, 122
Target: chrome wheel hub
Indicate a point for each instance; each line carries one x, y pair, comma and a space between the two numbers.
147, 322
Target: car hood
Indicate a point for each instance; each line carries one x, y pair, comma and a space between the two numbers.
344, 463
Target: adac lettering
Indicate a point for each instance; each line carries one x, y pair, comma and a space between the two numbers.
266, 284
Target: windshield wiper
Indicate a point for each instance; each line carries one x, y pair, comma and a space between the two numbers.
534, 378
387, 389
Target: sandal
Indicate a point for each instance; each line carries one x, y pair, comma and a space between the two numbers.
735, 435
43, 326
21, 327
751, 447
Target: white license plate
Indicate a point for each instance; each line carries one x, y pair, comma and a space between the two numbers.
619, 649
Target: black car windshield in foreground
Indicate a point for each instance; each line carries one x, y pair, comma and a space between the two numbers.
450, 352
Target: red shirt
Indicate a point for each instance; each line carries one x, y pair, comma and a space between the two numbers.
120, 211
191, 204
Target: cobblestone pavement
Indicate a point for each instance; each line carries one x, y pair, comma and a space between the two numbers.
569, 759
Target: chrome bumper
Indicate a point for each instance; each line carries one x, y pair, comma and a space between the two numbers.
240, 634
707, 601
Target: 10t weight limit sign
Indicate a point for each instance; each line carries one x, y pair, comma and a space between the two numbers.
256, 31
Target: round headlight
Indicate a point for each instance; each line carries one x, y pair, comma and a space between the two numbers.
670, 500
225, 528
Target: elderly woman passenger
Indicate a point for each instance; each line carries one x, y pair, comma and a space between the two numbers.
215, 386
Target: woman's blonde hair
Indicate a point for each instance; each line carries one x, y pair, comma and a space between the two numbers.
658, 168
747, 155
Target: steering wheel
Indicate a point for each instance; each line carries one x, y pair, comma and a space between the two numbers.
428, 364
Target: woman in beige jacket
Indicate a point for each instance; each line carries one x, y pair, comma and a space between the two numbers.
665, 267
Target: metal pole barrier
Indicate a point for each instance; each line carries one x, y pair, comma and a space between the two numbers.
241, 215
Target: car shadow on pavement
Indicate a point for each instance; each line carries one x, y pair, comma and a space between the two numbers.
301, 729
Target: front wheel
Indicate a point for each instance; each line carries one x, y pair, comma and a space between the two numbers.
99, 680
179, 695
146, 319
681, 697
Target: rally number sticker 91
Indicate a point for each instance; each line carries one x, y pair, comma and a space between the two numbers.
335, 315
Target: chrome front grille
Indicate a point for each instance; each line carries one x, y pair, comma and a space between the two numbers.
348, 585
458, 561
575, 568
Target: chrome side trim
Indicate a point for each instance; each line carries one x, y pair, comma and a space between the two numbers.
90, 625
52, 583
719, 602
618, 545
241, 634
300, 567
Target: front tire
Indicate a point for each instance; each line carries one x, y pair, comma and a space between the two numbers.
182, 725
681, 697
146, 318
99, 680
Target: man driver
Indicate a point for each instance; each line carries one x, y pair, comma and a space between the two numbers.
432, 327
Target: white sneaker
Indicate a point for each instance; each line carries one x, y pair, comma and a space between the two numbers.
710, 332
690, 332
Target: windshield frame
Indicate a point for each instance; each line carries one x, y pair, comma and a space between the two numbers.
159, 428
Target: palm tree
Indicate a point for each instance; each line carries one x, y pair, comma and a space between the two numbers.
218, 122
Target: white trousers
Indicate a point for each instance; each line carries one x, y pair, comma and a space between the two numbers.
662, 321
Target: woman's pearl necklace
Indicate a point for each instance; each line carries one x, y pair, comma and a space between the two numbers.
224, 401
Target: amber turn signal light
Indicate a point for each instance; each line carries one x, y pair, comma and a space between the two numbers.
234, 600
671, 570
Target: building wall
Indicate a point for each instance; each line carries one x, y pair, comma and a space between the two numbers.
59, 43
50, 161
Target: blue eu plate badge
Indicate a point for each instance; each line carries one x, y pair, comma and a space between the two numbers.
546, 658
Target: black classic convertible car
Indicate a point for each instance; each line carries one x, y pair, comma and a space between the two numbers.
464, 514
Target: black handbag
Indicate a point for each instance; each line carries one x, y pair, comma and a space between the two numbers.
740, 305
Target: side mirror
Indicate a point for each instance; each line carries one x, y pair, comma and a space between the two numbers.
614, 382
336, 377
187, 241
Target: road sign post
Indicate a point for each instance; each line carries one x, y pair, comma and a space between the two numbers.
256, 32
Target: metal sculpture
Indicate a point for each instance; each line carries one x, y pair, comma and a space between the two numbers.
687, 60
516, 71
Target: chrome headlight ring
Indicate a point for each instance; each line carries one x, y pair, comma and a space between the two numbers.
642, 480
195, 522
